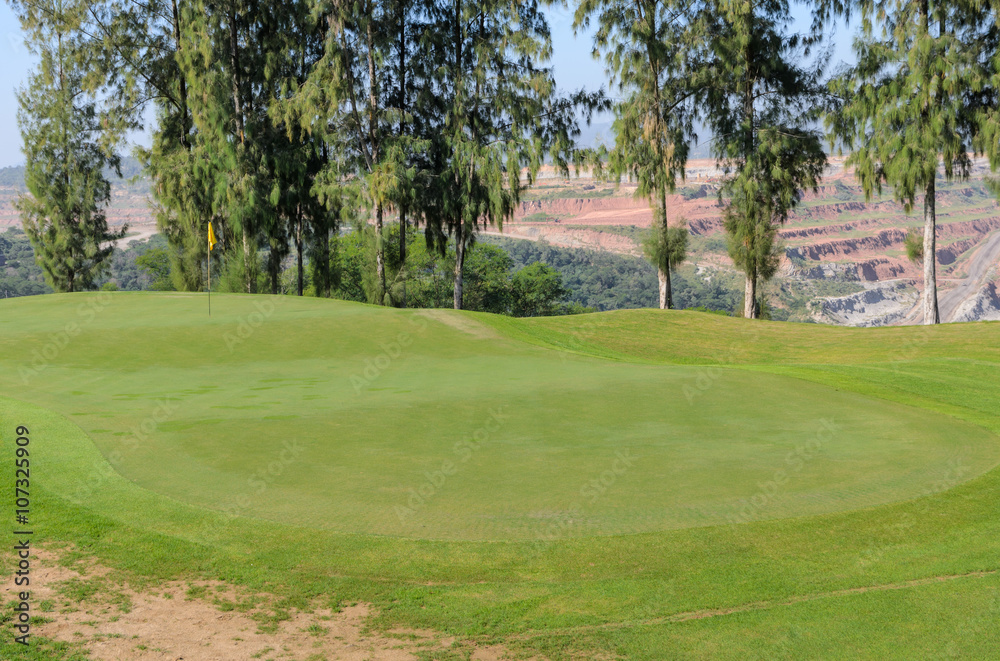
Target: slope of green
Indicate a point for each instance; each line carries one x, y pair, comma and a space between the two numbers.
191, 410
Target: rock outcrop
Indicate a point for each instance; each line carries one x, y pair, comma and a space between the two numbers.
881, 304
984, 306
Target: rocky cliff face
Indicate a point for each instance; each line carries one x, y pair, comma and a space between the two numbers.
881, 305
984, 306
835, 233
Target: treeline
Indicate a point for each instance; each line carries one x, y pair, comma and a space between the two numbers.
140, 266
281, 123
607, 281
503, 276
19, 275
494, 282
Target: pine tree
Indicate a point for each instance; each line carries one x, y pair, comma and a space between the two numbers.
139, 53
984, 103
499, 113
758, 103
643, 45
344, 102
295, 157
231, 56
67, 147
909, 104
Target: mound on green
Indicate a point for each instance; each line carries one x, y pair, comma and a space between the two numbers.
638, 484
436, 425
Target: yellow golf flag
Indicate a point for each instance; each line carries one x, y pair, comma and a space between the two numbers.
211, 238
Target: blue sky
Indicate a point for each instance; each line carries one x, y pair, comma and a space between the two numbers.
17, 61
574, 67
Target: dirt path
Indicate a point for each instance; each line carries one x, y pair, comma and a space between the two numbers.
137, 233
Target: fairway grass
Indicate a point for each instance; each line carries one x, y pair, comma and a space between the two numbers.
646, 484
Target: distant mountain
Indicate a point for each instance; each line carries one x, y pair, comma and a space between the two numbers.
13, 177
129, 199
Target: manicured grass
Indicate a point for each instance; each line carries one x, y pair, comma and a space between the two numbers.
721, 417
354, 419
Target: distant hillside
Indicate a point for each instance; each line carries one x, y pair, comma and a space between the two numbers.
129, 196
845, 261
844, 257
13, 177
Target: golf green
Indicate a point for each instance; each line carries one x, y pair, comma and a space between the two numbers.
437, 425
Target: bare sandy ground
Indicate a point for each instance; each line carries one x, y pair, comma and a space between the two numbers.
197, 621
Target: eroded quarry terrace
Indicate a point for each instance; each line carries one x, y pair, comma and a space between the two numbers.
833, 236
834, 242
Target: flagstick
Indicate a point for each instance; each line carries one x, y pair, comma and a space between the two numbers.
209, 280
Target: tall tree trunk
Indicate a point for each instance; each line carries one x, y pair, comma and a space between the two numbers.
930, 303
750, 298
323, 279
402, 132
234, 64
374, 150
248, 272
665, 293
456, 37
274, 268
663, 270
749, 117
379, 258
298, 247
931, 315
185, 125
459, 263
402, 249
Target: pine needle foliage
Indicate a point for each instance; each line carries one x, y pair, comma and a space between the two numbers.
908, 110
644, 45
67, 145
